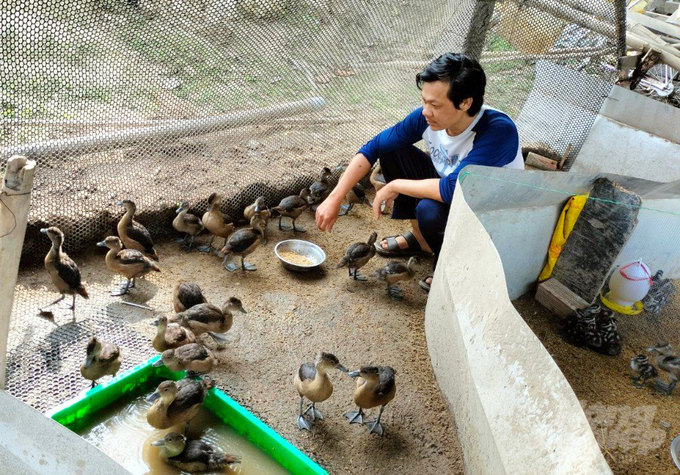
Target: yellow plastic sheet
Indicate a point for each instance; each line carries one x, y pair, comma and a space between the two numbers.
565, 224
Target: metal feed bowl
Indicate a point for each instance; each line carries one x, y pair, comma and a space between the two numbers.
304, 248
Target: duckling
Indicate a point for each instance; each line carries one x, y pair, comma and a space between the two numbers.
375, 387
595, 328
192, 356
132, 234
319, 190
192, 456
357, 195
579, 327
395, 272
216, 222
644, 369
312, 382
259, 208
208, 318
358, 255
185, 295
171, 335
177, 402
243, 242
63, 271
659, 293
668, 361
187, 223
129, 263
292, 207
102, 358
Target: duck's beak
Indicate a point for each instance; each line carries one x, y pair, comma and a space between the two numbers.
153, 397
88, 361
155, 323
256, 209
43, 230
243, 310
354, 374
158, 443
157, 363
101, 244
650, 349
339, 168
341, 368
119, 203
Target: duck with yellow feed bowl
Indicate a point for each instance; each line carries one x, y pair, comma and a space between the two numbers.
299, 255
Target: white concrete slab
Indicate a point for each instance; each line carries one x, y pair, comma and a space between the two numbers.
34, 444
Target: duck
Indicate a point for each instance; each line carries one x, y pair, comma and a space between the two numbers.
319, 190
63, 271
216, 222
242, 243
375, 386
259, 208
595, 328
312, 382
668, 361
394, 272
192, 456
177, 402
134, 235
208, 318
185, 295
129, 263
171, 335
187, 223
356, 195
292, 207
102, 359
659, 293
191, 356
358, 255
644, 369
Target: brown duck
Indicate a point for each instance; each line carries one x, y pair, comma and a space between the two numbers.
134, 235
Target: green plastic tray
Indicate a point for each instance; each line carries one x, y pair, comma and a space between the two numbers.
75, 414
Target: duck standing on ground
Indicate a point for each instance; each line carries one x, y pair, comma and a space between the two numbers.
375, 387
132, 234
208, 318
177, 402
292, 207
394, 272
192, 357
644, 369
319, 190
312, 382
187, 223
356, 195
102, 358
216, 222
127, 262
358, 255
668, 361
63, 271
192, 456
185, 295
171, 335
259, 208
242, 243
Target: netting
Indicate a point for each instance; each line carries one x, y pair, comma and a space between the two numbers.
160, 102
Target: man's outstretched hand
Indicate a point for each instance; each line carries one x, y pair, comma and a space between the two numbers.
327, 213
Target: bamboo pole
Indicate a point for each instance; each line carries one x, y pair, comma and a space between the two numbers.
15, 199
571, 15
186, 128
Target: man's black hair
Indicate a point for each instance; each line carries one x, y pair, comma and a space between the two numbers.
465, 75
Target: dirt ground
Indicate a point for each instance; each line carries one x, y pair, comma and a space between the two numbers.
634, 427
290, 318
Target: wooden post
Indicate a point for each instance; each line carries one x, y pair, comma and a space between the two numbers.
15, 199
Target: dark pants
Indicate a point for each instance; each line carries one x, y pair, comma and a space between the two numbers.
411, 163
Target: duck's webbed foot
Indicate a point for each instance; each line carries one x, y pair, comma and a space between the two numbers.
355, 417
316, 414
359, 277
375, 427
247, 266
303, 424
395, 293
122, 289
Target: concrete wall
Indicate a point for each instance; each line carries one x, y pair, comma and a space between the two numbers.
515, 412
519, 210
633, 135
31, 443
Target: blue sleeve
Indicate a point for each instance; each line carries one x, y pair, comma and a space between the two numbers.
407, 132
495, 145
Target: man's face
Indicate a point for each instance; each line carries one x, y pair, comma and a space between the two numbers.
438, 109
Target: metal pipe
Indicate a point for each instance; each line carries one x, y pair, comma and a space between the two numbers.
15, 200
172, 131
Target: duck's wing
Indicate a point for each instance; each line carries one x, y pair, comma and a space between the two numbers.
176, 334
68, 271
204, 313
358, 250
109, 353
242, 240
292, 202
307, 371
394, 267
386, 382
359, 191
190, 393
130, 256
193, 351
190, 294
196, 451
192, 219
140, 234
